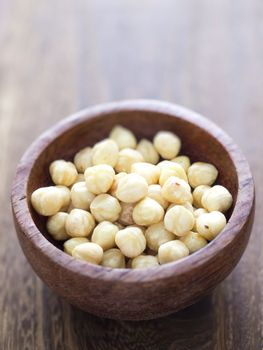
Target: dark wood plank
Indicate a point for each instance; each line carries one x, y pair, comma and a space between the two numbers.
59, 56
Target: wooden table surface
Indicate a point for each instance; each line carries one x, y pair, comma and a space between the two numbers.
58, 56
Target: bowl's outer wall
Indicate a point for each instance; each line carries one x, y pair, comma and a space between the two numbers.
122, 294
135, 301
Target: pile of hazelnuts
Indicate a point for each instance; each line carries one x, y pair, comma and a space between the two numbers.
137, 205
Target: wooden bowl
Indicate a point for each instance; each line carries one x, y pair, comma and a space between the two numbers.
125, 293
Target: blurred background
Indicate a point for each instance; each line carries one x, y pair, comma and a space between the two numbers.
59, 56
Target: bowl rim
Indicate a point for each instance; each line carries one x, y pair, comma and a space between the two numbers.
244, 200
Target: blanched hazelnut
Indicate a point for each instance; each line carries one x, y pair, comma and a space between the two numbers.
105, 152
127, 157
63, 173
104, 234
167, 144
123, 137
194, 241
131, 188
99, 178
217, 198
198, 194
125, 217
163, 164
172, 251
81, 197
147, 150
147, 212
156, 235
144, 261
79, 223
155, 192
71, 243
177, 191
65, 192
211, 224
184, 161
48, 201
179, 220
56, 226
171, 169
104, 207
150, 172
142, 228
187, 205
90, 252
83, 159
130, 241
113, 258
200, 173
113, 189
198, 212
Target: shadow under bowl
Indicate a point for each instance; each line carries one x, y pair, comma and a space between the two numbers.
126, 293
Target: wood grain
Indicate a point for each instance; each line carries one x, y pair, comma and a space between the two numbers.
60, 56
